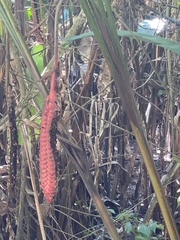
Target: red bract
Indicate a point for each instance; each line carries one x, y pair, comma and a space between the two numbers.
46, 157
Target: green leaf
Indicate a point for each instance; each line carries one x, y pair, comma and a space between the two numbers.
152, 226
139, 237
159, 41
160, 226
37, 54
143, 229
65, 45
13, 29
128, 227
29, 13
111, 210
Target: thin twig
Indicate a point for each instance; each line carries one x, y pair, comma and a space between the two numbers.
33, 181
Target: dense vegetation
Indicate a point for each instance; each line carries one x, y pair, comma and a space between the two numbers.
104, 182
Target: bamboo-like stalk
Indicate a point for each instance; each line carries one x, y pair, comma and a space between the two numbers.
19, 232
165, 180
24, 133
102, 22
78, 158
78, 22
17, 37
85, 175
